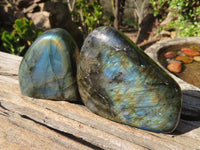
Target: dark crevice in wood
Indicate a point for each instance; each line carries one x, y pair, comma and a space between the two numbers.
186, 93
74, 138
7, 74
190, 118
3, 106
80, 102
4, 114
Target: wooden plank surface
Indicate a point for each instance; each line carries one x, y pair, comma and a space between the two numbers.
28, 123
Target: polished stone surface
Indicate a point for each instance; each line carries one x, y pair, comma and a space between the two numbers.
48, 69
118, 81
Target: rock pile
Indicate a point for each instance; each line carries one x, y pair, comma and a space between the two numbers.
184, 56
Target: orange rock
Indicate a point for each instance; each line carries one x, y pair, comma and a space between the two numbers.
184, 59
190, 52
175, 67
170, 54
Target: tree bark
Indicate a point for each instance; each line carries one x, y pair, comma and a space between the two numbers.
116, 13
121, 11
145, 19
145, 28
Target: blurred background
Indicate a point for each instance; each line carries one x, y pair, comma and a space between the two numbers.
143, 21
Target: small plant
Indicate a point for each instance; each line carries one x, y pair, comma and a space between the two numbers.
187, 13
26, 30
12, 43
23, 35
88, 15
157, 6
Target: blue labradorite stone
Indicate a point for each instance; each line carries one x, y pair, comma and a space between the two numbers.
118, 81
48, 69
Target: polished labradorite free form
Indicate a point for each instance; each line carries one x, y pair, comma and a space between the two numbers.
48, 69
118, 81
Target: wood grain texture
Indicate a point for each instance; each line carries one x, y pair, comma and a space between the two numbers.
28, 123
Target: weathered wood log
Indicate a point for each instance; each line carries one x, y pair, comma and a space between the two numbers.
28, 123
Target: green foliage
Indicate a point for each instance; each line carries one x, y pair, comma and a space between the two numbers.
23, 35
157, 6
185, 28
187, 13
12, 43
26, 30
88, 15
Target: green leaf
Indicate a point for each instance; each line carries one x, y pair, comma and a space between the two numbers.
24, 34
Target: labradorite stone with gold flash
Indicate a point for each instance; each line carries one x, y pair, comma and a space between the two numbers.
118, 81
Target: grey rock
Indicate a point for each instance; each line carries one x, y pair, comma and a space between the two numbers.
40, 19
